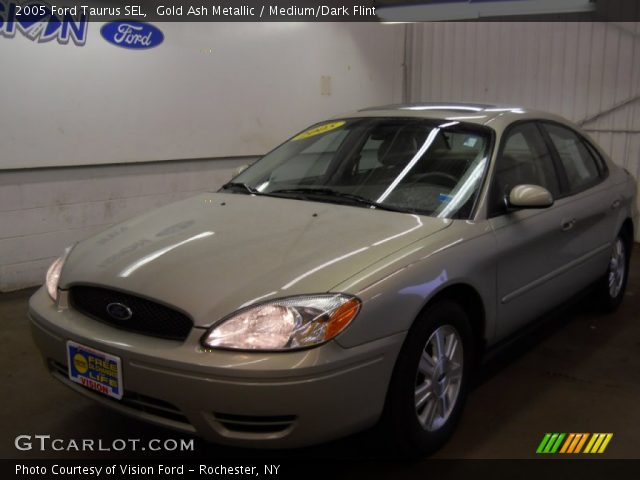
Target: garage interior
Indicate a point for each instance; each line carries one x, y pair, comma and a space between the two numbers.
115, 134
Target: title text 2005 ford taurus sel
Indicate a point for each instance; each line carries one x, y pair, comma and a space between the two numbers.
353, 274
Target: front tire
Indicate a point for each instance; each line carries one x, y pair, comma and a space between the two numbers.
430, 380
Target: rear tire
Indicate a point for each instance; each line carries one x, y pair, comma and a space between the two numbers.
612, 285
430, 381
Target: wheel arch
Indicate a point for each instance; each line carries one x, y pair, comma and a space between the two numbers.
467, 297
628, 230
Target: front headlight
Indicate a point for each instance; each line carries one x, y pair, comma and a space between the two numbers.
285, 324
53, 274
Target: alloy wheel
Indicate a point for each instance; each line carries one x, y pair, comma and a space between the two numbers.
617, 267
439, 377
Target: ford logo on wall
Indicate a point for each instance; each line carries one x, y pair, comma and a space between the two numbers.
133, 35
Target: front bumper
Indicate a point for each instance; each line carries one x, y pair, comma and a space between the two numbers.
275, 400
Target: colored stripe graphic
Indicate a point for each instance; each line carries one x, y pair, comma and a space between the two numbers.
544, 441
573, 443
556, 445
581, 443
550, 443
567, 443
591, 442
598, 442
605, 443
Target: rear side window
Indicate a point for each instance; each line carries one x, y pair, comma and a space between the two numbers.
578, 162
602, 166
525, 159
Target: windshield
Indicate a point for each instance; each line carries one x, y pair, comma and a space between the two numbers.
415, 165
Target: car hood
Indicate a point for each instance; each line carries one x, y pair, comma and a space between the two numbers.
213, 253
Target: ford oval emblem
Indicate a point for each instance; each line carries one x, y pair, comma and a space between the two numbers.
133, 35
119, 311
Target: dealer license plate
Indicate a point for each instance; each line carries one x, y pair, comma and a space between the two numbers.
94, 369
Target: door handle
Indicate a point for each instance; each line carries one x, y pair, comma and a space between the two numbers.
615, 204
567, 225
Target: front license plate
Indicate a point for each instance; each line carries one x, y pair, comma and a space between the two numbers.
94, 369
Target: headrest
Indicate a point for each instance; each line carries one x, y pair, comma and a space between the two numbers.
439, 143
397, 148
508, 161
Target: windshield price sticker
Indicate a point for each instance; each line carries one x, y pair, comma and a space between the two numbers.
327, 127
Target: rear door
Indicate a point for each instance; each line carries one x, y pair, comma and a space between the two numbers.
591, 206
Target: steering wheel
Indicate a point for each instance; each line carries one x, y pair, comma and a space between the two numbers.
441, 178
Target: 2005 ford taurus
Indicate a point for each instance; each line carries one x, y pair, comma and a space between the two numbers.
351, 277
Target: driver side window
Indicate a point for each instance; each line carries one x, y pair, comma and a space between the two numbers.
525, 159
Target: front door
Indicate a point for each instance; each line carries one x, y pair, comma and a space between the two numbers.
534, 246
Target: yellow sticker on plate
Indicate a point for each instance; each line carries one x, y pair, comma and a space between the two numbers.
327, 127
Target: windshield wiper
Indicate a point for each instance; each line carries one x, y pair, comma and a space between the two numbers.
242, 186
327, 192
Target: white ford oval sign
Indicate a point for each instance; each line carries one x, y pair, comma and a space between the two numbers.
133, 35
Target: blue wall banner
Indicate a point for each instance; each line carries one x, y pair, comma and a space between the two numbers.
40, 22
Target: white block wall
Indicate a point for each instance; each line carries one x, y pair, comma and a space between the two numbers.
44, 210
582, 71
210, 89
224, 89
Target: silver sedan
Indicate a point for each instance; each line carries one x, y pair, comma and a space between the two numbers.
354, 275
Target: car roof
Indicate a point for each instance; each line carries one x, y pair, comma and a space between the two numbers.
495, 116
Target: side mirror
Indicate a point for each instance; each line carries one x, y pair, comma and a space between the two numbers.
529, 196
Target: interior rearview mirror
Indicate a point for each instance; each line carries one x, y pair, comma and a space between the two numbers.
529, 196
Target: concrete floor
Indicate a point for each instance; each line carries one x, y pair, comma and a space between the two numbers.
579, 371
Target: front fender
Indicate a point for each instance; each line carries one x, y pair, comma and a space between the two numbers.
396, 289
